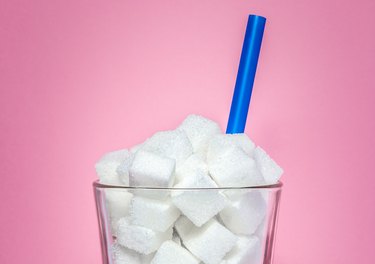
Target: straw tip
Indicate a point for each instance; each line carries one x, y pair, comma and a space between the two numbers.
253, 16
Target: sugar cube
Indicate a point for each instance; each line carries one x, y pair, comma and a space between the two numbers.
170, 252
146, 259
267, 166
199, 131
154, 214
106, 167
210, 243
201, 205
224, 140
151, 170
173, 144
183, 226
122, 255
117, 202
135, 148
191, 164
230, 166
246, 251
245, 213
123, 169
140, 239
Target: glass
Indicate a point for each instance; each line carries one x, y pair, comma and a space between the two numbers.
249, 215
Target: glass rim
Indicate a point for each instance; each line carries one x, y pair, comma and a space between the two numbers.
97, 184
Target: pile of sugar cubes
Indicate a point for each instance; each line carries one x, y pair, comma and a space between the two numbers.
185, 225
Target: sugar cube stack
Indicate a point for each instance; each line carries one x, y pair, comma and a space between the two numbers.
175, 210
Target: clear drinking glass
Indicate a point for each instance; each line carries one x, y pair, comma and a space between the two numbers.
250, 214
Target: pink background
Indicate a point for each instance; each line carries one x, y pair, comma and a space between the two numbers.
81, 77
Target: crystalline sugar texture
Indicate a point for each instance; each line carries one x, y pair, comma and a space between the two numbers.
189, 167
151, 170
117, 202
234, 168
230, 166
243, 141
154, 214
135, 148
170, 252
172, 144
199, 130
140, 239
219, 143
122, 255
106, 167
199, 206
267, 166
123, 169
246, 251
210, 243
146, 259
245, 213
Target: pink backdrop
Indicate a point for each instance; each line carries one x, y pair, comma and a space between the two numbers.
81, 77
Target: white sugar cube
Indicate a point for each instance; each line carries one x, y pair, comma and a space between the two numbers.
191, 164
123, 169
267, 166
173, 144
106, 167
201, 205
154, 214
230, 166
117, 202
246, 251
245, 213
151, 170
218, 142
243, 141
135, 148
140, 239
183, 226
146, 259
210, 243
199, 131
170, 252
122, 255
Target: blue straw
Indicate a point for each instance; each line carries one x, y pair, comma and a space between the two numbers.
246, 74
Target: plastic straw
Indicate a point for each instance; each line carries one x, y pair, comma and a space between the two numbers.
246, 74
